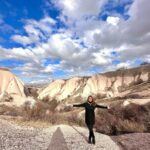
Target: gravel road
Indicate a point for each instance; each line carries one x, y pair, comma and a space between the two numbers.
60, 137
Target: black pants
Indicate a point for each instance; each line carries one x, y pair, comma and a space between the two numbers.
91, 133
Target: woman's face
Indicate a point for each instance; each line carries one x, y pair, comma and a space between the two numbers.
90, 99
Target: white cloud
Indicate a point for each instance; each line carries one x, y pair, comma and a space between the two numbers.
36, 31
78, 8
103, 57
112, 20
124, 65
24, 40
88, 42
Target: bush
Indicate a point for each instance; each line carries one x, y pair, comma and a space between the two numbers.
36, 112
74, 119
122, 88
138, 81
41, 111
44, 112
119, 120
46, 99
130, 96
11, 111
100, 96
127, 126
67, 108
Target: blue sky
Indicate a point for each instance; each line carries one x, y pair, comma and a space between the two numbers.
44, 40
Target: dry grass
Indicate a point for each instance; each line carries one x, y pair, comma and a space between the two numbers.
42, 112
10, 111
129, 126
100, 96
32, 123
74, 119
119, 120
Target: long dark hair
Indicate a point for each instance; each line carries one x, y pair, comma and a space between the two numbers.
93, 100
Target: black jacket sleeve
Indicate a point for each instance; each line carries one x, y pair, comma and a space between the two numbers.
100, 106
79, 105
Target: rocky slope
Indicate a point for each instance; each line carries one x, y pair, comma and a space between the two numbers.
109, 84
10, 83
12, 90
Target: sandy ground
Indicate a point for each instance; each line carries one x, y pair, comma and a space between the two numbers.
134, 141
60, 137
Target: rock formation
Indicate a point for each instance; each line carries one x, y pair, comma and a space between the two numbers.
10, 83
12, 89
109, 84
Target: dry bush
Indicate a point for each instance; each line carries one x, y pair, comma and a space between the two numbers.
123, 87
132, 96
119, 120
52, 103
124, 126
100, 96
149, 76
77, 99
10, 111
36, 112
46, 99
74, 119
31, 91
138, 81
67, 109
41, 111
45, 111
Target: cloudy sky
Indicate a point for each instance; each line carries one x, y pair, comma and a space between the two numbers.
41, 40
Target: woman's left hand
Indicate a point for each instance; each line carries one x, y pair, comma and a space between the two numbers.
108, 107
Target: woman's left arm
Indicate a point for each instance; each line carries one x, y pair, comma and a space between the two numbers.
100, 106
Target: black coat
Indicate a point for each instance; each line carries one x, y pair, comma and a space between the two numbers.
90, 111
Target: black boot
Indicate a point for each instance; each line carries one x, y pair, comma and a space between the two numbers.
93, 140
89, 141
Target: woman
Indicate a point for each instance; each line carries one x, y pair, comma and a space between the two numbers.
90, 106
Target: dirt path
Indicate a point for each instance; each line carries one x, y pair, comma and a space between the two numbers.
60, 137
76, 138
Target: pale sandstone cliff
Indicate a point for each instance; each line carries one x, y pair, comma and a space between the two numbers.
110, 84
10, 83
12, 89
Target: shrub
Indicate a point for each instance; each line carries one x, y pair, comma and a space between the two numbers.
138, 81
130, 96
118, 120
74, 119
67, 108
122, 88
77, 99
11, 111
53, 104
36, 112
127, 126
100, 96
41, 111
46, 99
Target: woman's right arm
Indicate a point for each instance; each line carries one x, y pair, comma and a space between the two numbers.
79, 105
